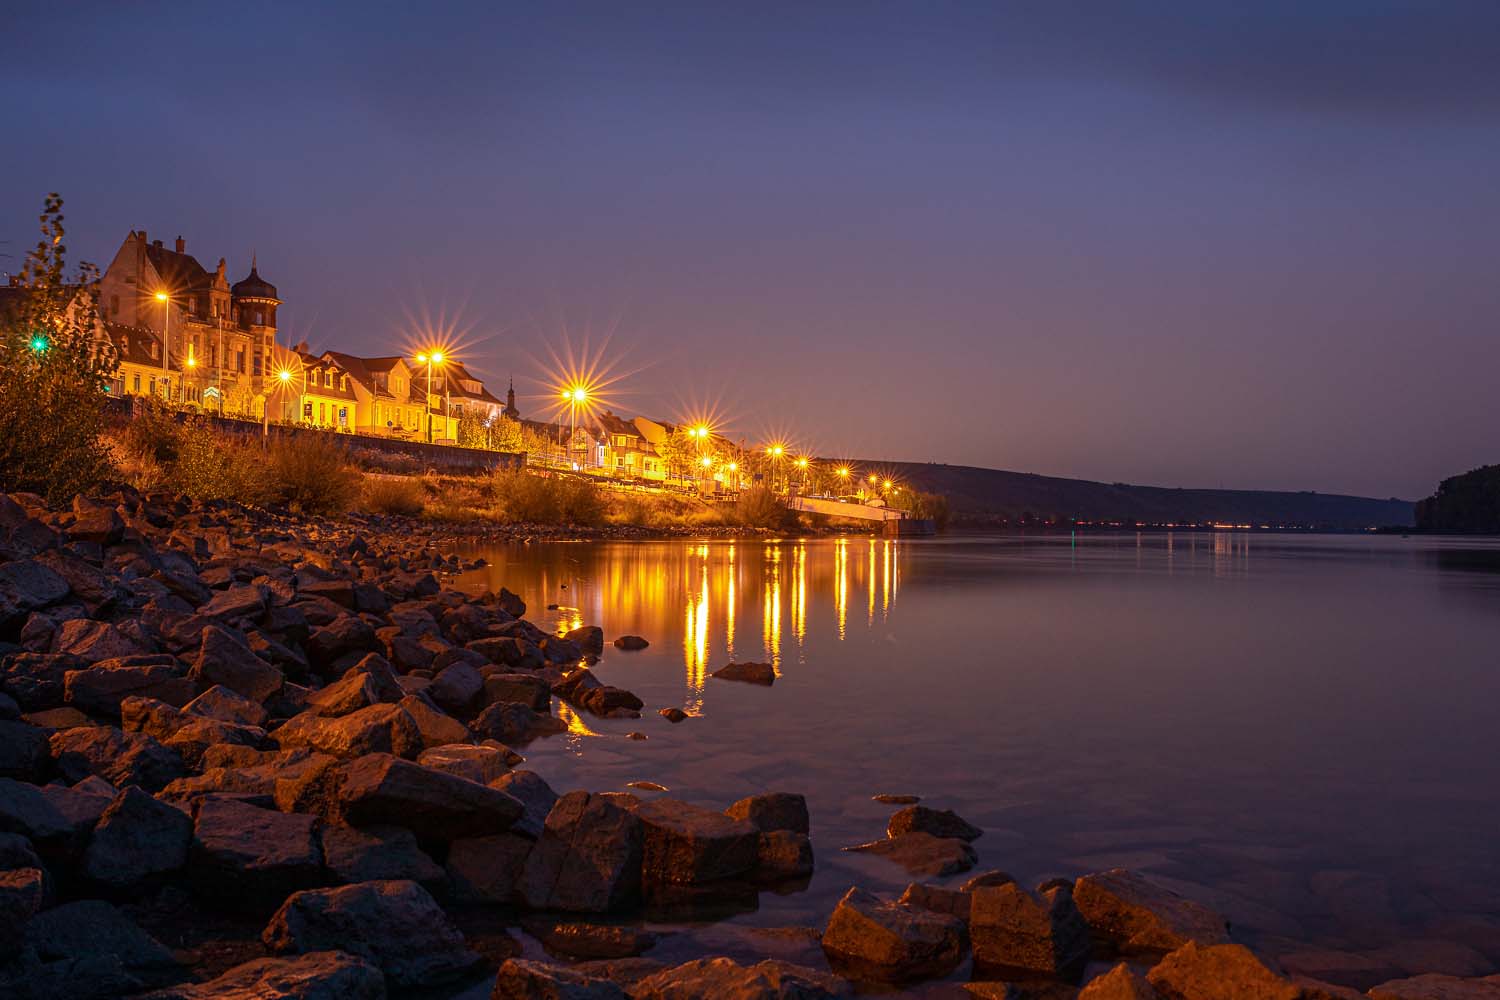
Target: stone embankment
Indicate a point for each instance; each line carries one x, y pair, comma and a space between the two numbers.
213, 719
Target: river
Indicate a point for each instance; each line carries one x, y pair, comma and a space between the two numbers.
1299, 730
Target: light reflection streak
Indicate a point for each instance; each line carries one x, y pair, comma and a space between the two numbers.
730, 604
871, 581
841, 585
771, 613
799, 592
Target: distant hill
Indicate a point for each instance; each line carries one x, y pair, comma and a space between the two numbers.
1470, 502
977, 495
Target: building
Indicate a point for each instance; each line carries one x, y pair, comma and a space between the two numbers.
462, 393
389, 396
326, 394
214, 340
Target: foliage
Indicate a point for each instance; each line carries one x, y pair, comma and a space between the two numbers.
524, 496
497, 434
154, 433
1470, 502
210, 467
677, 451
759, 507
384, 495
379, 460
311, 474
53, 371
931, 506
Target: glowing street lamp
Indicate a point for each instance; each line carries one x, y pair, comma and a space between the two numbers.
165, 298
429, 359
575, 396
283, 379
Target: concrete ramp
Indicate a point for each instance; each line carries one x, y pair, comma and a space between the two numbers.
836, 508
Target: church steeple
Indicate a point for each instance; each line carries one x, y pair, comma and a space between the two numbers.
510, 401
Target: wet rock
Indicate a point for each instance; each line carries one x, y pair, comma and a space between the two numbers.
523, 980
24, 751
95, 522
137, 840
487, 869
749, 673
992, 877
726, 978
782, 854
36, 680
528, 689
25, 586
243, 855
345, 696
534, 794
244, 601
457, 688
377, 729
938, 900
223, 705
871, 939
673, 714
380, 789
395, 925
510, 603
475, 762
1435, 986
590, 941
100, 689
376, 852
1012, 931
689, 844
92, 928
923, 854
118, 757
346, 635
938, 822
1218, 972
772, 811
590, 639
588, 858
223, 659
22, 891
318, 975
513, 723
631, 642
1119, 983
1134, 915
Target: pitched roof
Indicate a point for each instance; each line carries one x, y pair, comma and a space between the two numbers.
133, 344
180, 271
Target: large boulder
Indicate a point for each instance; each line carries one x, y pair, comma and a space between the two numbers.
524, 980
253, 857
1136, 916
118, 757
588, 858
224, 659
688, 844
382, 789
25, 586
223, 705
1435, 986
437, 727
376, 852
772, 811
95, 522
22, 891
345, 635
1013, 931
100, 689
93, 641
1121, 983
513, 723
377, 729
243, 601
318, 975
748, 673
137, 840
1218, 972
727, 979
938, 822
50, 815
923, 854
528, 689
93, 929
477, 762
590, 639
487, 869
395, 925
457, 688
782, 854
534, 794
871, 939
24, 751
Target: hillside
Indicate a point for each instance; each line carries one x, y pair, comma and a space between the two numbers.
985, 494
1470, 502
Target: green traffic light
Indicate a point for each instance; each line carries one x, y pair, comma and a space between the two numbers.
39, 344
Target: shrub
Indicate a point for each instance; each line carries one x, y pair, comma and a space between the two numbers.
211, 466
154, 433
521, 496
580, 502
310, 474
758, 507
383, 495
52, 374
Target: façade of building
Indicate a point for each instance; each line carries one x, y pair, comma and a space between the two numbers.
184, 333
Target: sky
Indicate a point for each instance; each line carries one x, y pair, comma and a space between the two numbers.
1205, 244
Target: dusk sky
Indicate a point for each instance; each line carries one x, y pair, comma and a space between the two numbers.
1187, 244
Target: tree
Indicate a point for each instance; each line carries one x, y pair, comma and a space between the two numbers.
677, 452
54, 369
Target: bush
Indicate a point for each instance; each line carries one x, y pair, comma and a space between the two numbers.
580, 502
523, 496
210, 466
406, 497
758, 507
310, 474
154, 433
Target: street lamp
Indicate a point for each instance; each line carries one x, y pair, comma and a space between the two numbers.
166, 339
283, 379
429, 359
574, 396
802, 464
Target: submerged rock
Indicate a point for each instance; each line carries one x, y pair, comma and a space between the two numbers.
726, 978
318, 975
1134, 915
938, 822
1218, 972
1015, 932
590, 941
749, 673
588, 858
690, 844
523, 980
773, 811
922, 853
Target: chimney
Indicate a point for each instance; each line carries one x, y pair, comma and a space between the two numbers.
156, 243
143, 237
181, 245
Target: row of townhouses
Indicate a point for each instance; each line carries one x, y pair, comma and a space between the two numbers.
185, 334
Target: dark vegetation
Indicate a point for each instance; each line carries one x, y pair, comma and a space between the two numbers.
1470, 502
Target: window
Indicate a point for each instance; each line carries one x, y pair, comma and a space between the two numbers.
136, 387
328, 379
114, 305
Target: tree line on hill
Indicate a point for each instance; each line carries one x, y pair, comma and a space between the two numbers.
1469, 502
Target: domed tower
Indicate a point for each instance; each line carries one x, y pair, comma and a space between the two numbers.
255, 305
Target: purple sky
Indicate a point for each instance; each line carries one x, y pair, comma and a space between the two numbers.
1195, 244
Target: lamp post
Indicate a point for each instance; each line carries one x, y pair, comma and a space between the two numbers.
283, 379
575, 396
802, 464
166, 339
775, 451
429, 359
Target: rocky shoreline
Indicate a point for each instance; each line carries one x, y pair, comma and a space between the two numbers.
250, 755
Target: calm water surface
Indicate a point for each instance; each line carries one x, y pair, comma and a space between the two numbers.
1298, 730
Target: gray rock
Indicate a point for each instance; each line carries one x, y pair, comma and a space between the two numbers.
1013, 931
534, 794
528, 689
224, 659
93, 641
379, 789
468, 760
871, 939
91, 927
378, 729
487, 869
318, 975
457, 688
1137, 916
22, 891
119, 757
938, 822
588, 858
923, 854
24, 752
394, 925
689, 844
49, 815
377, 852
436, 726
513, 723
251, 857
773, 811
222, 704
138, 839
